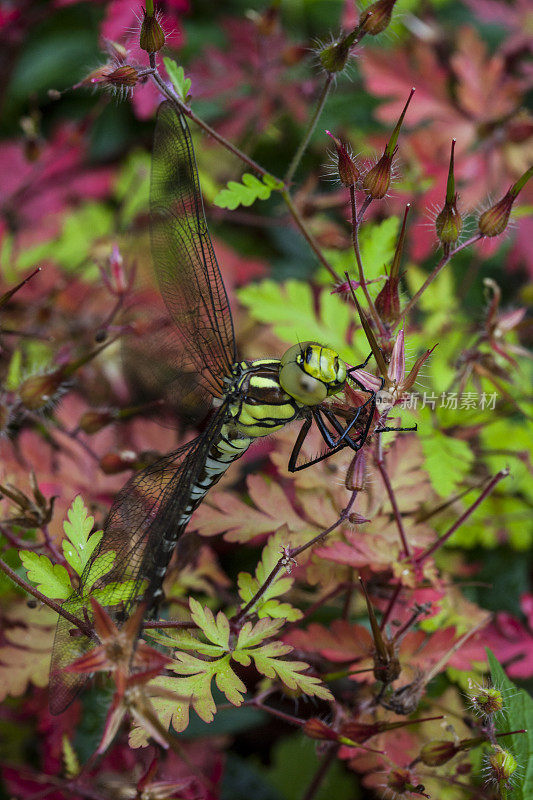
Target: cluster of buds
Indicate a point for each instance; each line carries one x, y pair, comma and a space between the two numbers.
374, 20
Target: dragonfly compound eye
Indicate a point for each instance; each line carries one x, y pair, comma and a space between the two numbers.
310, 372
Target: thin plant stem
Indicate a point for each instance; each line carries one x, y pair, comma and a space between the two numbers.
503, 473
78, 623
392, 602
429, 280
356, 221
320, 774
308, 236
289, 556
310, 129
380, 463
188, 112
184, 109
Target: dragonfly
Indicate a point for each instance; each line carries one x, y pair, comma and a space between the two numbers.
248, 399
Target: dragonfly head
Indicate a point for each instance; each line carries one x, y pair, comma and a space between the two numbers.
310, 372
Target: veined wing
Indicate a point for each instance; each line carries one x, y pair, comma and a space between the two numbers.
143, 519
184, 259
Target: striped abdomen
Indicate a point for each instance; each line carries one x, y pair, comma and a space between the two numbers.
259, 408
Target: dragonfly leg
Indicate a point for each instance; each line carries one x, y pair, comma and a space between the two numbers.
404, 430
360, 366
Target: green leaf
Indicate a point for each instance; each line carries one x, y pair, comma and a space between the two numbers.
447, 461
266, 606
246, 193
181, 84
290, 309
217, 631
14, 371
51, 579
79, 546
517, 715
377, 243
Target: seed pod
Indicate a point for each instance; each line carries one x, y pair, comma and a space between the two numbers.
376, 18
152, 36
377, 180
348, 172
449, 223
39, 391
494, 220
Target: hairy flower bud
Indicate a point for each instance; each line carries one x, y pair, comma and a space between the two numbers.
348, 172
486, 701
377, 180
388, 299
334, 57
39, 391
376, 17
124, 76
494, 220
316, 729
502, 765
152, 36
449, 223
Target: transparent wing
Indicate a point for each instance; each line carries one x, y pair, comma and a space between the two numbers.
123, 568
184, 260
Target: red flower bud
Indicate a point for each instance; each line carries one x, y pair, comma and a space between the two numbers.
316, 729
388, 300
124, 76
376, 17
115, 462
377, 180
152, 36
348, 172
494, 221
433, 754
94, 421
39, 391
